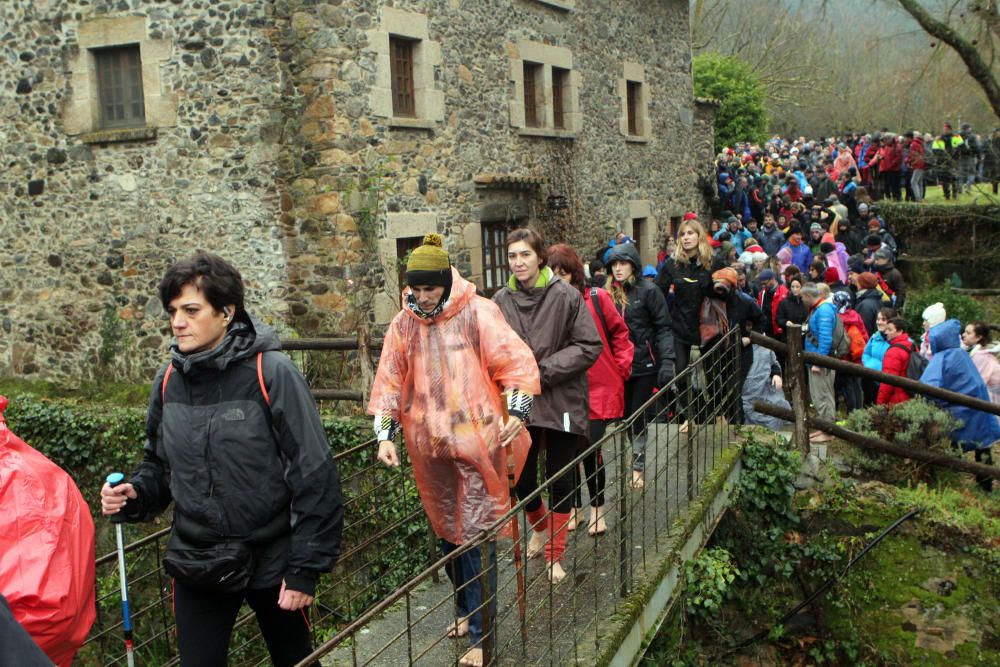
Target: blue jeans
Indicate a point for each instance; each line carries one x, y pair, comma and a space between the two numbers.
464, 574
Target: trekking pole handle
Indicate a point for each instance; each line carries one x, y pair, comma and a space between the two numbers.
116, 479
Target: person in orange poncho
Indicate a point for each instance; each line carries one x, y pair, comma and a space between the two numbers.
445, 360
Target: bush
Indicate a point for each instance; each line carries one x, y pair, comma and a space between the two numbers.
709, 578
959, 306
916, 423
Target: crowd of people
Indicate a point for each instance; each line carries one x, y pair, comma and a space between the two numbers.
481, 386
859, 168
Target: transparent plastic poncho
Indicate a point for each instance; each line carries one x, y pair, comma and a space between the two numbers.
442, 379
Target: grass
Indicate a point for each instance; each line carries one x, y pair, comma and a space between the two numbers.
982, 194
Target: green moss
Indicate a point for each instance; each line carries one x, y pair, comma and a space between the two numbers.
109, 393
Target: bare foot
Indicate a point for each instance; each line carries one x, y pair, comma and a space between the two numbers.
575, 518
472, 658
684, 427
536, 544
637, 480
556, 573
459, 628
597, 525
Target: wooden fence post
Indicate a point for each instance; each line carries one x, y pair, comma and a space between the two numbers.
796, 370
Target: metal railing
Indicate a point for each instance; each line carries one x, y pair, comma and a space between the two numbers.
528, 619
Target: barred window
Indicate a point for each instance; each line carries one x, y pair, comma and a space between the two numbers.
532, 80
495, 269
401, 71
119, 85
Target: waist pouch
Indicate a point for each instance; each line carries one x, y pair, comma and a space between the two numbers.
223, 565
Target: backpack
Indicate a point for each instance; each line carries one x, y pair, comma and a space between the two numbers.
841, 345
857, 335
917, 365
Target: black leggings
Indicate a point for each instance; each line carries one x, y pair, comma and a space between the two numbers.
560, 449
593, 468
205, 623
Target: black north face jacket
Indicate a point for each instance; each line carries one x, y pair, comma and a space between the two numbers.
237, 467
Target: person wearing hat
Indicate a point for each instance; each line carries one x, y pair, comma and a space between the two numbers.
932, 316
868, 298
446, 356
946, 149
737, 235
837, 286
741, 312
890, 277
816, 232
769, 297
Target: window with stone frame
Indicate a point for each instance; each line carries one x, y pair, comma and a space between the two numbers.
496, 272
632, 102
560, 80
407, 63
546, 100
119, 86
532, 82
401, 68
634, 92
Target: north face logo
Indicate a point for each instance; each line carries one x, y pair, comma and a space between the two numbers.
233, 415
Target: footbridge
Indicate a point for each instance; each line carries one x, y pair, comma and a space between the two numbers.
388, 601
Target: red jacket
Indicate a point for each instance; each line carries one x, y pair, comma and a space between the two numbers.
608, 374
915, 159
894, 362
780, 292
890, 158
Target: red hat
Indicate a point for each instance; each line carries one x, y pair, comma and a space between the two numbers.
831, 276
690, 215
753, 248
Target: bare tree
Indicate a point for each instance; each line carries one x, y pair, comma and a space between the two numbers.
979, 57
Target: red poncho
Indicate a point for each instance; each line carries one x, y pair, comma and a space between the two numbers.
46, 549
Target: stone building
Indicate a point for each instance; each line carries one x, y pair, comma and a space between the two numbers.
314, 143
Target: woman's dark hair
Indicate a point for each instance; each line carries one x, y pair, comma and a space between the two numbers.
888, 313
982, 330
533, 239
216, 278
564, 258
899, 323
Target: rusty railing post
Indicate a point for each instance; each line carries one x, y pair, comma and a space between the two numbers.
797, 386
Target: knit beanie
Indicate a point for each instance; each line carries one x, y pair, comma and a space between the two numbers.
831, 276
690, 215
726, 275
428, 264
934, 314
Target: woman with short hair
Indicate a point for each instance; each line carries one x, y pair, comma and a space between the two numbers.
552, 318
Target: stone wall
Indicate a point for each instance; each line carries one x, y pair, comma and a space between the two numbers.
280, 155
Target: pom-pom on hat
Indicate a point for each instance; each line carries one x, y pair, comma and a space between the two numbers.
428, 264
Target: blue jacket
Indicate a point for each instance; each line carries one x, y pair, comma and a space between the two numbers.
952, 368
821, 324
875, 351
802, 256
737, 238
771, 241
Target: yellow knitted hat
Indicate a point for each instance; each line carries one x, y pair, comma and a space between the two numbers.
431, 256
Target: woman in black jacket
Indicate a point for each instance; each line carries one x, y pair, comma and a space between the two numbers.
689, 278
236, 444
649, 324
792, 310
